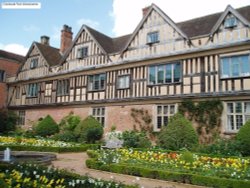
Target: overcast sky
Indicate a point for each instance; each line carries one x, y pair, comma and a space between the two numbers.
19, 28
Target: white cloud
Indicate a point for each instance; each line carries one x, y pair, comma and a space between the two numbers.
56, 33
30, 28
15, 48
88, 22
127, 14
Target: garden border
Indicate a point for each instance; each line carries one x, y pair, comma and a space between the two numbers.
166, 175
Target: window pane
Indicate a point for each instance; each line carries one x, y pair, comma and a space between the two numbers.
172, 109
168, 78
153, 37
239, 121
247, 107
165, 120
160, 74
165, 110
247, 118
238, 107
103, 111
90, 84
245, 65
235, 66
152, 75
102, 81
225, 68
94, 112
230, 122
177, 72
159, 110
159, 122
230, 108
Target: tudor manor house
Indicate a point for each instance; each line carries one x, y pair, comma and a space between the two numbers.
154, 68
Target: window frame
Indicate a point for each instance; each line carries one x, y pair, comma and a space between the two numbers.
48, 91
34, 63
18, 89
228, 23
233, 128
231, 63
2, 75
82, 52
118, 81
151, 36
61, 89
32, 90
96, 79
163, 116
101, 116
164, 81
21, 117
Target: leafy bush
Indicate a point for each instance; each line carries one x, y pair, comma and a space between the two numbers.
46, 127
67, 136
8, 121
187, 156
244, 138
135, 139
89, 130
179, 133
226, 147
69, 122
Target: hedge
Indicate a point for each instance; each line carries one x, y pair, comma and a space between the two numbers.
51, 149
168, 176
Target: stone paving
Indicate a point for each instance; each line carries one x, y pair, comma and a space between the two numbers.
75, 162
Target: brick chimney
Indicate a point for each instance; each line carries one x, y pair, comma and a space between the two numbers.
145, 10
45, 40
66, 38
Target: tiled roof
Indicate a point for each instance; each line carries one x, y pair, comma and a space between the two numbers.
12, 56
110, 45
51, 54
192, 28
203, 25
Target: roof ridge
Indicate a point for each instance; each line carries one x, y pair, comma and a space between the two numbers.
212, 14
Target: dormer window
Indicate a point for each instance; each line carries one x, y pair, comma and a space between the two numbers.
153, 37
34, 63
230, 22
82, 52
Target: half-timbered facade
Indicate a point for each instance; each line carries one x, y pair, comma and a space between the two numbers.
154, 68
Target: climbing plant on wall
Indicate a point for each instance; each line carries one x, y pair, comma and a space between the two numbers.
207, 116
142, 120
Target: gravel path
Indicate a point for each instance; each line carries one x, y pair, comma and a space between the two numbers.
75, 162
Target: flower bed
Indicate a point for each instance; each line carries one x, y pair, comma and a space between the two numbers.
182, 167
30, 176
32, 144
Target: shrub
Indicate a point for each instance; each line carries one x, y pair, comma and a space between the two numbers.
187, 156
8, 121
244, 138
69, 122
67, 136
179, 133
226, 147
89, 130
46, 127
135, 139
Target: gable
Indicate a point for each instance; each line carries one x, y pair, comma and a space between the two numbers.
169, 37
34, 66
85, 51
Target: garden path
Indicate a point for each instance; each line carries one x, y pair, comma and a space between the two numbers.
75, 162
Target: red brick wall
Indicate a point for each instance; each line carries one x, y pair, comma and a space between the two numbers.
10, 68
118, 116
